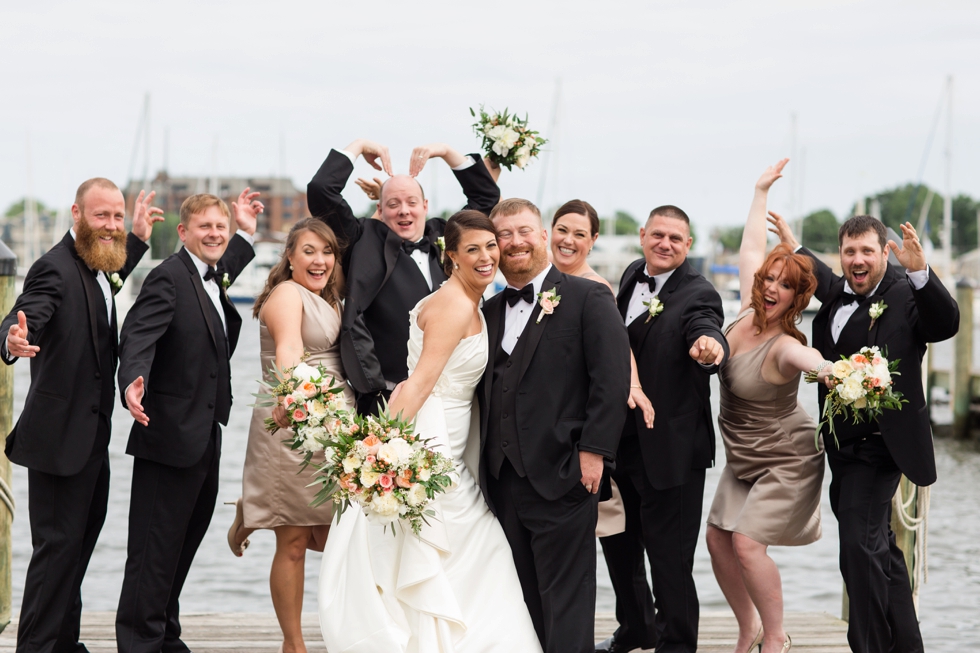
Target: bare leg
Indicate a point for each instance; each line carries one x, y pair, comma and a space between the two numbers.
725, 564
286, 582
761, 577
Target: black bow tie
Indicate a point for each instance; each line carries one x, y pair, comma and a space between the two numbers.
212, 273
422, 246
849, 298
643, 277
513, 295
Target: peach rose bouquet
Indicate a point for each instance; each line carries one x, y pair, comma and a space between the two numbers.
314, 404
862, 389
385, 468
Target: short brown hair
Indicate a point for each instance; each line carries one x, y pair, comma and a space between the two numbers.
861, 224
579, 207
100, 182
670, 211
513, 206
199, 204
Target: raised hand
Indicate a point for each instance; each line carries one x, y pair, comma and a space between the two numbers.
17, 344
371, 188
371, 152
134, 398
781, 229
592, 466
770, 176
145, 215
246, 211
423, 153
707, 351
910, 255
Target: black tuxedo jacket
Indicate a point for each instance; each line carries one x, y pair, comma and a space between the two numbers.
371, 253
57, 427
912, 319
683, 435
169, 339
574, 383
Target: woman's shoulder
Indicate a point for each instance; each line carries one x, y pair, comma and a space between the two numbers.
448, 305
286, 296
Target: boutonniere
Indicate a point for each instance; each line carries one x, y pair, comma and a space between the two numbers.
654, 308
116, 282
875, 312
441, 244
225, 281
548, 301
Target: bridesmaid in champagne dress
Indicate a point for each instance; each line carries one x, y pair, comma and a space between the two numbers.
769, 492
299, 312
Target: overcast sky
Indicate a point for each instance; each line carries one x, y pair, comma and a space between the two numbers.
681, 103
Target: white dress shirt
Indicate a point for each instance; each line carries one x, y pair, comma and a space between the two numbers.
103, 282
516, 316
422, 260
211, 287
641, 293
918, 279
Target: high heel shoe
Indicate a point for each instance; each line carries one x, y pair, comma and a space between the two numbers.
788, 644
757, 642
239, 549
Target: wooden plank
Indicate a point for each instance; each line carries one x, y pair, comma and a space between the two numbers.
259, 633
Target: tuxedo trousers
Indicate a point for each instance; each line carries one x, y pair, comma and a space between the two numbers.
66, 515
553, 544
881, 614
665, 524
169, 512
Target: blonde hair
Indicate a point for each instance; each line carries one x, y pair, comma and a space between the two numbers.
199, 204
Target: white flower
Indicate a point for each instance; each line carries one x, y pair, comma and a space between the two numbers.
351, 463
395, 452
416, 495
369, 477
386, 505
306, 373
225, 280
842, 369
875, 312
425, 474
311, 445
654, 308
317, 409
851, 389
860, 402
116, 280
522, 155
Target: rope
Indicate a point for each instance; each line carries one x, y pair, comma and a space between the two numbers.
7, 497
913, 515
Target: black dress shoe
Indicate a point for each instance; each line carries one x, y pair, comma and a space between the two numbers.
612, 646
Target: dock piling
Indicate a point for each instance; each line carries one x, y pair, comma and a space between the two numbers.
8, 273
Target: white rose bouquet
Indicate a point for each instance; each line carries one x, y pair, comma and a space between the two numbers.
314, 405
862, 389
385, 468
507, 139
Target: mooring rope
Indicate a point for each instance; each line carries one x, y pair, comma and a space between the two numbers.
913, 515
7, 497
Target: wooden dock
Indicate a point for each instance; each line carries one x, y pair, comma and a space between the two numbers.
259, 633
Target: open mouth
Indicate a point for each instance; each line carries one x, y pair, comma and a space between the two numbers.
564, 251
405, 223
768, 302
860, 276
317, 274
484, 270
518, 255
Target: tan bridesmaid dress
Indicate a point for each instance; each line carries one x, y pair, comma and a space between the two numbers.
274, 491
770, 487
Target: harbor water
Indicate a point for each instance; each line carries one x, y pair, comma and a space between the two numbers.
949, 603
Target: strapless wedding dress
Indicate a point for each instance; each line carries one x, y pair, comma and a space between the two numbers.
455, 589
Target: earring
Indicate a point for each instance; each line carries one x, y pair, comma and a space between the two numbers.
290, 267
456, 266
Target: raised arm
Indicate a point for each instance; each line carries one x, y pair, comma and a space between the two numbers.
478, 184
825, 276
41, 297
938, 315
792, 357
702, 321
752, 252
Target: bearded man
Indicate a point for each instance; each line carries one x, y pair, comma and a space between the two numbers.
65, 322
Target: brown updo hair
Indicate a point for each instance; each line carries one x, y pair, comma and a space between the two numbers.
333, 292
580, 207
456, 226
798, 273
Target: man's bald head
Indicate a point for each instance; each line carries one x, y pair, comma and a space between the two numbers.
404, 207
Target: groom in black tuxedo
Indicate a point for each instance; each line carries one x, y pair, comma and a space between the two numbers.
660, 471
868, 459
174, 368
552, 404
389, 264
64, 321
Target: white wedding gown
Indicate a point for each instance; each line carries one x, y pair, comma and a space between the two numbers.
455, 590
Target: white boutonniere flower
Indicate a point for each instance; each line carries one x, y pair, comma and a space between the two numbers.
654, 308
116, 282
548, 301
225, 281
441, 244
875, 312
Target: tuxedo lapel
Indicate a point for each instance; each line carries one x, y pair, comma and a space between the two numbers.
626, 292
891, 276
202, 297
493, 313
393, 243
91, 288
535, 328
680, 273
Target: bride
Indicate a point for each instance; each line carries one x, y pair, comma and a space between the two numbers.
454, 589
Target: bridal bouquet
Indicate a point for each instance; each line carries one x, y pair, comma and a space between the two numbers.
387, 469
507, 139
862, 389
314, 404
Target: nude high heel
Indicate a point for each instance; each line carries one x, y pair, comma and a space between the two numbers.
788, 644
757, 642
238, 550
